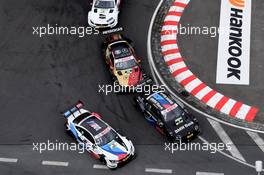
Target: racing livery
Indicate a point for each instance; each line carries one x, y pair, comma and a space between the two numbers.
97, 137
168, 117
104, 13
123, 63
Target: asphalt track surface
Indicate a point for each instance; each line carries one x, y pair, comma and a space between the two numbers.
200, 51
42, 76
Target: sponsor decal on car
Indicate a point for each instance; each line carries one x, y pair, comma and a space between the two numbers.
124, 59
183, 127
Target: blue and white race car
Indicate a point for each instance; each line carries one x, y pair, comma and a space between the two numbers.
97, 137
104, 13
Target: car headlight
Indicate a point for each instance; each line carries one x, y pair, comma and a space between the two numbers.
196, 127
171, 133
110, 20
113, 161
195, 119
178, 138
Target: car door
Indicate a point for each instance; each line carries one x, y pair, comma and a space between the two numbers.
150, 114
85, 138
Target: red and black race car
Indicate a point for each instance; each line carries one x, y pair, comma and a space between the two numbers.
123, 63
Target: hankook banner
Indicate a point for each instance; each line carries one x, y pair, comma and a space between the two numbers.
233, 62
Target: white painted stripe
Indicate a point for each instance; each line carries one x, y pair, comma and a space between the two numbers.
208, 173
228, 106
214, 100
173, 56
203, 92
176, 9
182, 76
172, 18
184, 1
226, 139
8, 160
177, 66
96, 166
257, 139
168, 36
169, 47
190, 86
55, 163
243, 111
155, 170
169, 29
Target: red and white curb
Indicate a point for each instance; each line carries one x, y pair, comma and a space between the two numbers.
187, 79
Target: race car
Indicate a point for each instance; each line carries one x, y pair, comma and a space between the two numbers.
123, 63
169, 118
97, 137
104, 13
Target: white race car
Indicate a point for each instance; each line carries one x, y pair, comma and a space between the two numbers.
97, 137
104, 13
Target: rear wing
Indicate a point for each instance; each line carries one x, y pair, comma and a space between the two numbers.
73, 109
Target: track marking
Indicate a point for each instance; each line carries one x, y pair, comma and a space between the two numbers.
226, 139
157, 77
208, 173
257, 139
8, 160
96, 166
155, 170
55, 163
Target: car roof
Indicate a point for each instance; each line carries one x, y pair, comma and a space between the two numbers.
94, 125
161, 100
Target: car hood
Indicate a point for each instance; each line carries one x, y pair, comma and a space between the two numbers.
129, 77
102, 15
116, 150
183, 129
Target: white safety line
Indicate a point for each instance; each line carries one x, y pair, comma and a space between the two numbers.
257, 139
227, 155
8, 160
208, 173
158, 77
226, 139
55, 163
155, 170
96, 166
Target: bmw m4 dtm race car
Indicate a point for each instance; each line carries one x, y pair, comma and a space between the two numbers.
169, 118
98, 138
124, 65
104, 13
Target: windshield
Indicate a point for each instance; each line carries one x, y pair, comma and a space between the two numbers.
172, 113
104, 4
122, 52
125, 64
105, 137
